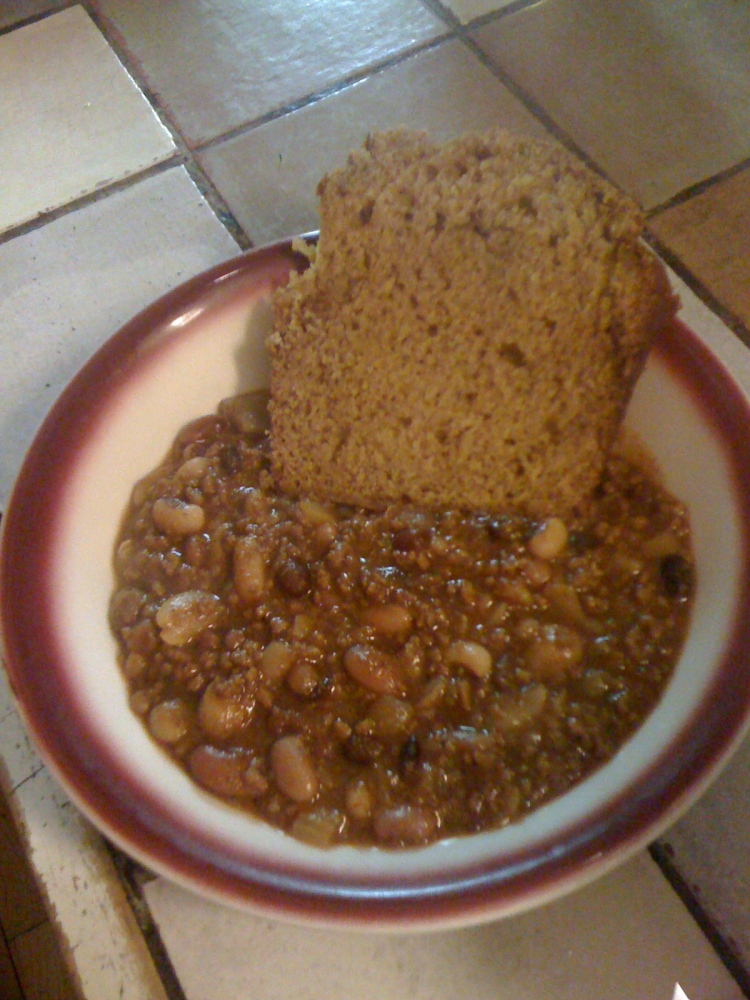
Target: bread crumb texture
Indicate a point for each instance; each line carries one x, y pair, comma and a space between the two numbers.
470, 331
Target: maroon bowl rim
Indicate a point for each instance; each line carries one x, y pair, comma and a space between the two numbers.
109, 793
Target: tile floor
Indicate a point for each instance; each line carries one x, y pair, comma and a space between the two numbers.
141, 143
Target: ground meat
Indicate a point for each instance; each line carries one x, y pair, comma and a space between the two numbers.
393, 676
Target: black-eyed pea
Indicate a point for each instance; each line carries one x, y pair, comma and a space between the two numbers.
191, 471
292, 769
169, 721
550, 539
177, 518
472, 656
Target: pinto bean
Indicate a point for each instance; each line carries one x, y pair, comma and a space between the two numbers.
219, 771
556, 652
293, 770
389, 620
373, 669
405, 825
550, 539
183, 617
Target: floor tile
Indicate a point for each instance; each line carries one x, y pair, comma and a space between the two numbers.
14, 11
37, 958
65, 287
67, 133
467, 10
710, 847
710, 234
627, 936
268, 175
658, 94
217, 64
101, 938
21, 906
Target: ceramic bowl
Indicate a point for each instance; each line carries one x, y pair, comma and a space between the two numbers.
115, 421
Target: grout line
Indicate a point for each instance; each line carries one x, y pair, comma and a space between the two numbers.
131, 878
694, 190
735, 324
359, 76
34, 18
725, 949
98, 194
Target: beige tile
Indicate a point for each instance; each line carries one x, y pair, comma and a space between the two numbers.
710, 234
40, 966
268, 175
657, 93
627, 937
65, 288
468, 10
216, 65
72, 119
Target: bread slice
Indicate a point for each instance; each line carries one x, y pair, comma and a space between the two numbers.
470, 331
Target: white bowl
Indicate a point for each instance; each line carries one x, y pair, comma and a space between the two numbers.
115, 421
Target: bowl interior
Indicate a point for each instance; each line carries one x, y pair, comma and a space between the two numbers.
176, 365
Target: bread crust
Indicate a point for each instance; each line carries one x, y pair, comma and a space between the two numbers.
470, 332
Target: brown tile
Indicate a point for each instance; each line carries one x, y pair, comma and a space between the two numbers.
657, 94
268, 176
21, 906
40, 965
215, 66
9, 988
710, 234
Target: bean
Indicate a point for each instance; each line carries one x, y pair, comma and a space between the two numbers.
391, 716
292, 769
224, 709
248, 412
373, 669
319, 827
405, 825
183, 617
550, 540
358, 800
169, 721
389, 620
191, 471
303, 679
471, 655
275, 661
249, 570
177, 518
313, 513
125, 606
220, 771
293, 577
556, 652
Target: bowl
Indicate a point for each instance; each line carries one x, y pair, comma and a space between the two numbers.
175, 361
